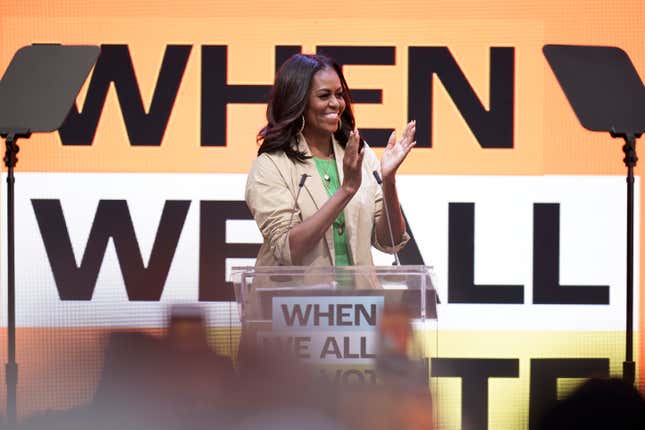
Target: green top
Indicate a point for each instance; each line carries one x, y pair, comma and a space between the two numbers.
329, 176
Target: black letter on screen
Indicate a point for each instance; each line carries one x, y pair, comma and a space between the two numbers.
474, 374
461, 263
217, 92
283, 52
410, 253
112, 220
213, 249
546, 264
544, 380
493, 128
115, 65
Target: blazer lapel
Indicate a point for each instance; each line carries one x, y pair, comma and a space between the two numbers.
314, 188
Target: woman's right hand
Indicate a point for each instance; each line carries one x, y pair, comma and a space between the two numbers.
352, 163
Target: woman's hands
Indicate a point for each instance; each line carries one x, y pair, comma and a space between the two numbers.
352, 164
393, 155
395, 152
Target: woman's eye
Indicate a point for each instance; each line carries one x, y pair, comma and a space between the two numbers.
327, 95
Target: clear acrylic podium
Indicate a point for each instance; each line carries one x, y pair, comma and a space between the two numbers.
330, 315
402, 286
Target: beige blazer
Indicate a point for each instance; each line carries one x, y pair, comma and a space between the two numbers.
271, 190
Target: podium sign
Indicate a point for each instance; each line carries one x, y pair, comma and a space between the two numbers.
330, 316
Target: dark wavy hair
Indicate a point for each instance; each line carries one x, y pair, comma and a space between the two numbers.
288, 101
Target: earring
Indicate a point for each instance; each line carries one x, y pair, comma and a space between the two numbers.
340, 124
302, 127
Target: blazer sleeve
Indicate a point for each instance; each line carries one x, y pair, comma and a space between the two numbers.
270, 198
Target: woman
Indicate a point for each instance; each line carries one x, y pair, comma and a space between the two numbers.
340, 211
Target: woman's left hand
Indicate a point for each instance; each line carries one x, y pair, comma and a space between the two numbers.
395, 152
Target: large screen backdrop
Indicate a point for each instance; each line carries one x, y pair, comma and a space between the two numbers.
138, 201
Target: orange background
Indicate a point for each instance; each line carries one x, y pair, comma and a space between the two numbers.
548, 138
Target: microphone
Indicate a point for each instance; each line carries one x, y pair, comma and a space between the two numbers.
301, 184
387, 217
303, 178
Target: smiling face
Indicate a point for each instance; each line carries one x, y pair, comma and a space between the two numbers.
325, 103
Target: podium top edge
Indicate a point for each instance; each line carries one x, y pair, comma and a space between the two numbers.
293, 270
